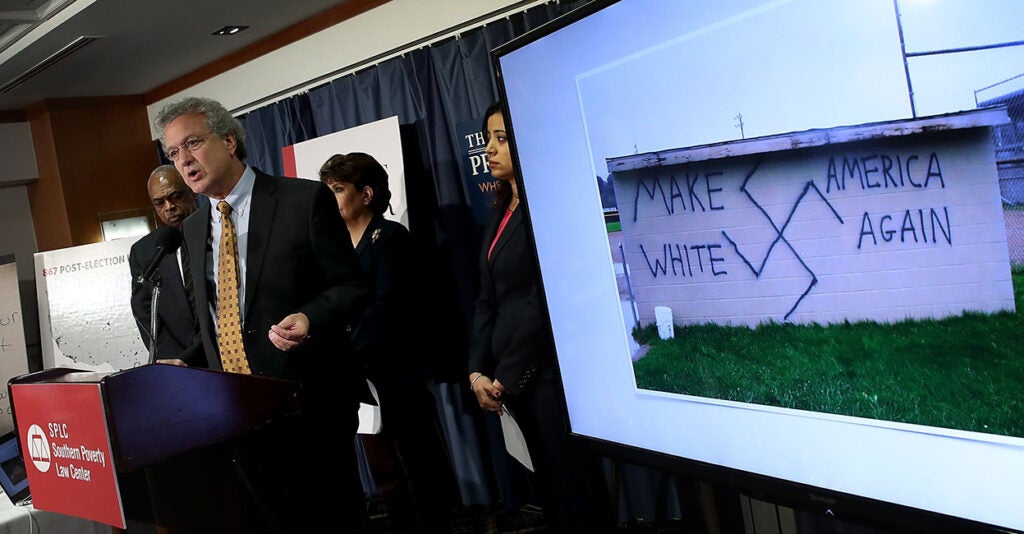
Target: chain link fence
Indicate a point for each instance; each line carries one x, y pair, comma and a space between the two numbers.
1009, 149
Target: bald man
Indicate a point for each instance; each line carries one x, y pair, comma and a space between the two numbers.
172, 199
177, 334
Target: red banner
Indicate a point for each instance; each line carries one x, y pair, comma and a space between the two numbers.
66, 445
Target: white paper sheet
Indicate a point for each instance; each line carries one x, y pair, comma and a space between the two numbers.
515, 444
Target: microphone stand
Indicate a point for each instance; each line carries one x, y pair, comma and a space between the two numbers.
153, 317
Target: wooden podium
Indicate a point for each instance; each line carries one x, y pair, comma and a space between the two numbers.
78, 429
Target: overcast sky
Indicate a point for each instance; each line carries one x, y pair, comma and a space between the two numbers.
791, 65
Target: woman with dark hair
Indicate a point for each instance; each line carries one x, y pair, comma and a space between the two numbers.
512, 355
408, 460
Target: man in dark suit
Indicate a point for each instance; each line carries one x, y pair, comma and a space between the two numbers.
299, 287
177, 339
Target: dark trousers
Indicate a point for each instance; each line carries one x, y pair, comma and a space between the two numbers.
195, 493
409, 460
570, 479
301, 474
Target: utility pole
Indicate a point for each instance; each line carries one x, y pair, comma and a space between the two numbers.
903, 51
739, 124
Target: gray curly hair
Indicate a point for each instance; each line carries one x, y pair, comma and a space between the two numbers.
218, 120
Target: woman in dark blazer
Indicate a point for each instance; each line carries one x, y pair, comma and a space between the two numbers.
409, 459
512, 355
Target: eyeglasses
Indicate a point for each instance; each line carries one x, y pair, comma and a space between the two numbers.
191, 144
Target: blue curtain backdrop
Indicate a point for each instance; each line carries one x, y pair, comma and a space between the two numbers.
432, 89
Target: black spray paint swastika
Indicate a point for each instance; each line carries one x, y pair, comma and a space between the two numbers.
779, 237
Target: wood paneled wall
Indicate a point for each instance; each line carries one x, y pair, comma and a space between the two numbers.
94, 156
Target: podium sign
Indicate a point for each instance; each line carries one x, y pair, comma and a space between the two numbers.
68, 457
79, 429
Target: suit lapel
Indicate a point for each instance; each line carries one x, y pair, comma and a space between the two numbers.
197, 232
367, 239
514, 222
261, 221
175, 293
364, 242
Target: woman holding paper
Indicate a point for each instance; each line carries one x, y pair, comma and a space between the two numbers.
512, 355
408, 459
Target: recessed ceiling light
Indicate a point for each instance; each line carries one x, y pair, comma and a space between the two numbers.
229, 30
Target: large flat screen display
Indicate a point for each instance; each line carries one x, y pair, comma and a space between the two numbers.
809, 278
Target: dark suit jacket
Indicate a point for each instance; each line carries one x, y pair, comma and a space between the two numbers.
390, 337
511, 338
177, 333
299, 259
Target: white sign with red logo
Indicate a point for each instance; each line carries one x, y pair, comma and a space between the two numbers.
381, 139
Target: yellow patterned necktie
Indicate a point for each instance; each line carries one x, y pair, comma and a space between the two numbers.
229, 317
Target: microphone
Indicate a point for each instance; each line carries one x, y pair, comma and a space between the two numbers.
167, 240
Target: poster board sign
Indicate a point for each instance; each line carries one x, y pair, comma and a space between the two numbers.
13, 355
476, 175
66, 445
85, 315
381, 139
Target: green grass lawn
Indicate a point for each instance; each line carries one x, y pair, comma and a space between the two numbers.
962, 372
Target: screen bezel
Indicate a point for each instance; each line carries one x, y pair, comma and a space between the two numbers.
823, 502
10, 451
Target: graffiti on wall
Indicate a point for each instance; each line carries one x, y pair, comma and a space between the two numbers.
839, 214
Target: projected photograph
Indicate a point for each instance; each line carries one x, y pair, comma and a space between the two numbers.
785, 238
868, 279
798, 252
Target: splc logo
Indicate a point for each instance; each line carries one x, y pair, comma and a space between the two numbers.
38, 448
